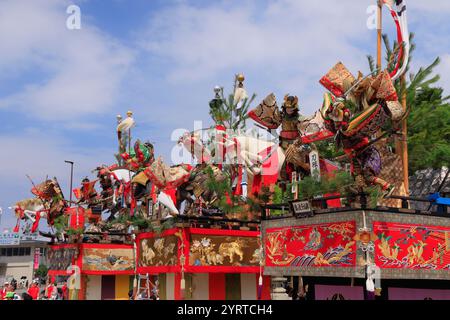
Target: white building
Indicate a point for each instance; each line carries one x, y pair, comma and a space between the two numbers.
17, 258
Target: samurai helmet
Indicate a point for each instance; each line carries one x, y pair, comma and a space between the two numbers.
290, 102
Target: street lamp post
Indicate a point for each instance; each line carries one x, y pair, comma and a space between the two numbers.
71, 179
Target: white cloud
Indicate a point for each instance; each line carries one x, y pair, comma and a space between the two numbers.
284, 34
281, 46
79, 71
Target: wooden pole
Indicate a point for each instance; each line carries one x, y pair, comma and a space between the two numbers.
379, 34
404, 139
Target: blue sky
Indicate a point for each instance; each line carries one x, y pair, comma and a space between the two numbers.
60, 89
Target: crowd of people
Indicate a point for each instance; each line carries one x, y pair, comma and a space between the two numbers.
34, 291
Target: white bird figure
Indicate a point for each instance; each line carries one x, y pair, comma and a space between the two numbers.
125, 125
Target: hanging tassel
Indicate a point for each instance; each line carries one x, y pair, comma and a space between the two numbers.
17, 227
238, 190
260, 286
370, 288
183, 283
132, 206
182, 286
36, 222
228, 199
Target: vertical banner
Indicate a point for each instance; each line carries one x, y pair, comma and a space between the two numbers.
37, 256
294, 185
314, 164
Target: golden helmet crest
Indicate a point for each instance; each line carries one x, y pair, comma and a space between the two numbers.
290, 101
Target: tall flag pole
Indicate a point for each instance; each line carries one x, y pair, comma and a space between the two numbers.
404, 138
401, 12
379, 33
397, 9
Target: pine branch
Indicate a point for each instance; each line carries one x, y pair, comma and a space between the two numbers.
371, 62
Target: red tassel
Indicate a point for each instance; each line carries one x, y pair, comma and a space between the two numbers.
228, 199
238, 190
36, 222
256, 186
153, 193
133, 205
125, 156
138, 152
17, 227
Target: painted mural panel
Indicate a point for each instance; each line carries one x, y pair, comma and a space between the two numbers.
158, 251
316, 245
108, 259
60, 258
217, 250
412, 246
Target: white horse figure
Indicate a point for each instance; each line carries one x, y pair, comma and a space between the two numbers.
32, 209
29, 208
257, 156
124, 176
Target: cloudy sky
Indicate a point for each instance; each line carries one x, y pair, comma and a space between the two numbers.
61, 89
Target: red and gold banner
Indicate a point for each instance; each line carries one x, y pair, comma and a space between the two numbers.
412, 246
341, 244
317, 245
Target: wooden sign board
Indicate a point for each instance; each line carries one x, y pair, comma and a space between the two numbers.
301, 208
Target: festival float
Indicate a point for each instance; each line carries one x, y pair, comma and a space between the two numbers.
259, 206
373, 244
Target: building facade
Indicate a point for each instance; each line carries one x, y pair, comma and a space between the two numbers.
18, 259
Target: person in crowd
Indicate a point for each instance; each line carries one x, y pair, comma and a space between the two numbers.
33, 291
52, 293
11, 295
65, 292
14, 284
4, 290
49, 290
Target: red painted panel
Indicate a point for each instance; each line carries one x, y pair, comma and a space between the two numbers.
320, 245
216, 286
412, 246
